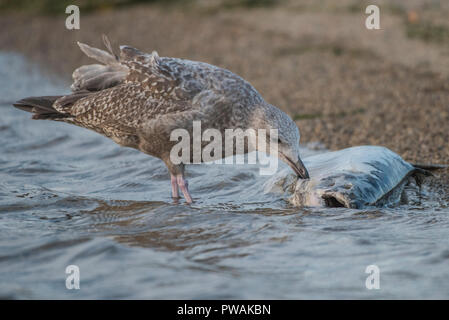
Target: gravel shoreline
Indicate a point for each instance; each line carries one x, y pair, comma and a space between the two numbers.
344, 85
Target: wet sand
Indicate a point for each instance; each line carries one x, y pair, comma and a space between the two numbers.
343, 84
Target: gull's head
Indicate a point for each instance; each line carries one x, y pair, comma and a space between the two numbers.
282, 138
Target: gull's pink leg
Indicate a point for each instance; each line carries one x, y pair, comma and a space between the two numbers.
174, 187
184, 186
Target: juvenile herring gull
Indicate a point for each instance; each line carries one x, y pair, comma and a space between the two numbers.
138, 99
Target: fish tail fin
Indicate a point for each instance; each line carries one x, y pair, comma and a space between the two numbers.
430, 166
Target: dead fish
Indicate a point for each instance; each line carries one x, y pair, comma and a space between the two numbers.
355, 177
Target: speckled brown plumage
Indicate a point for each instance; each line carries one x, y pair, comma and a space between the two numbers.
138, 99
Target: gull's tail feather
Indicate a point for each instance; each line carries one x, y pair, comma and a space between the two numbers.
100, 55
108, 46
97, 77
41, 107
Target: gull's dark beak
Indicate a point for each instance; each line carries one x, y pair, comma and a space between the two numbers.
299, 168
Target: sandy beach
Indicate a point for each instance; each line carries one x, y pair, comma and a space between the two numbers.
343, 84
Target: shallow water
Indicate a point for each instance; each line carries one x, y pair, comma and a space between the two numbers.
70, 196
